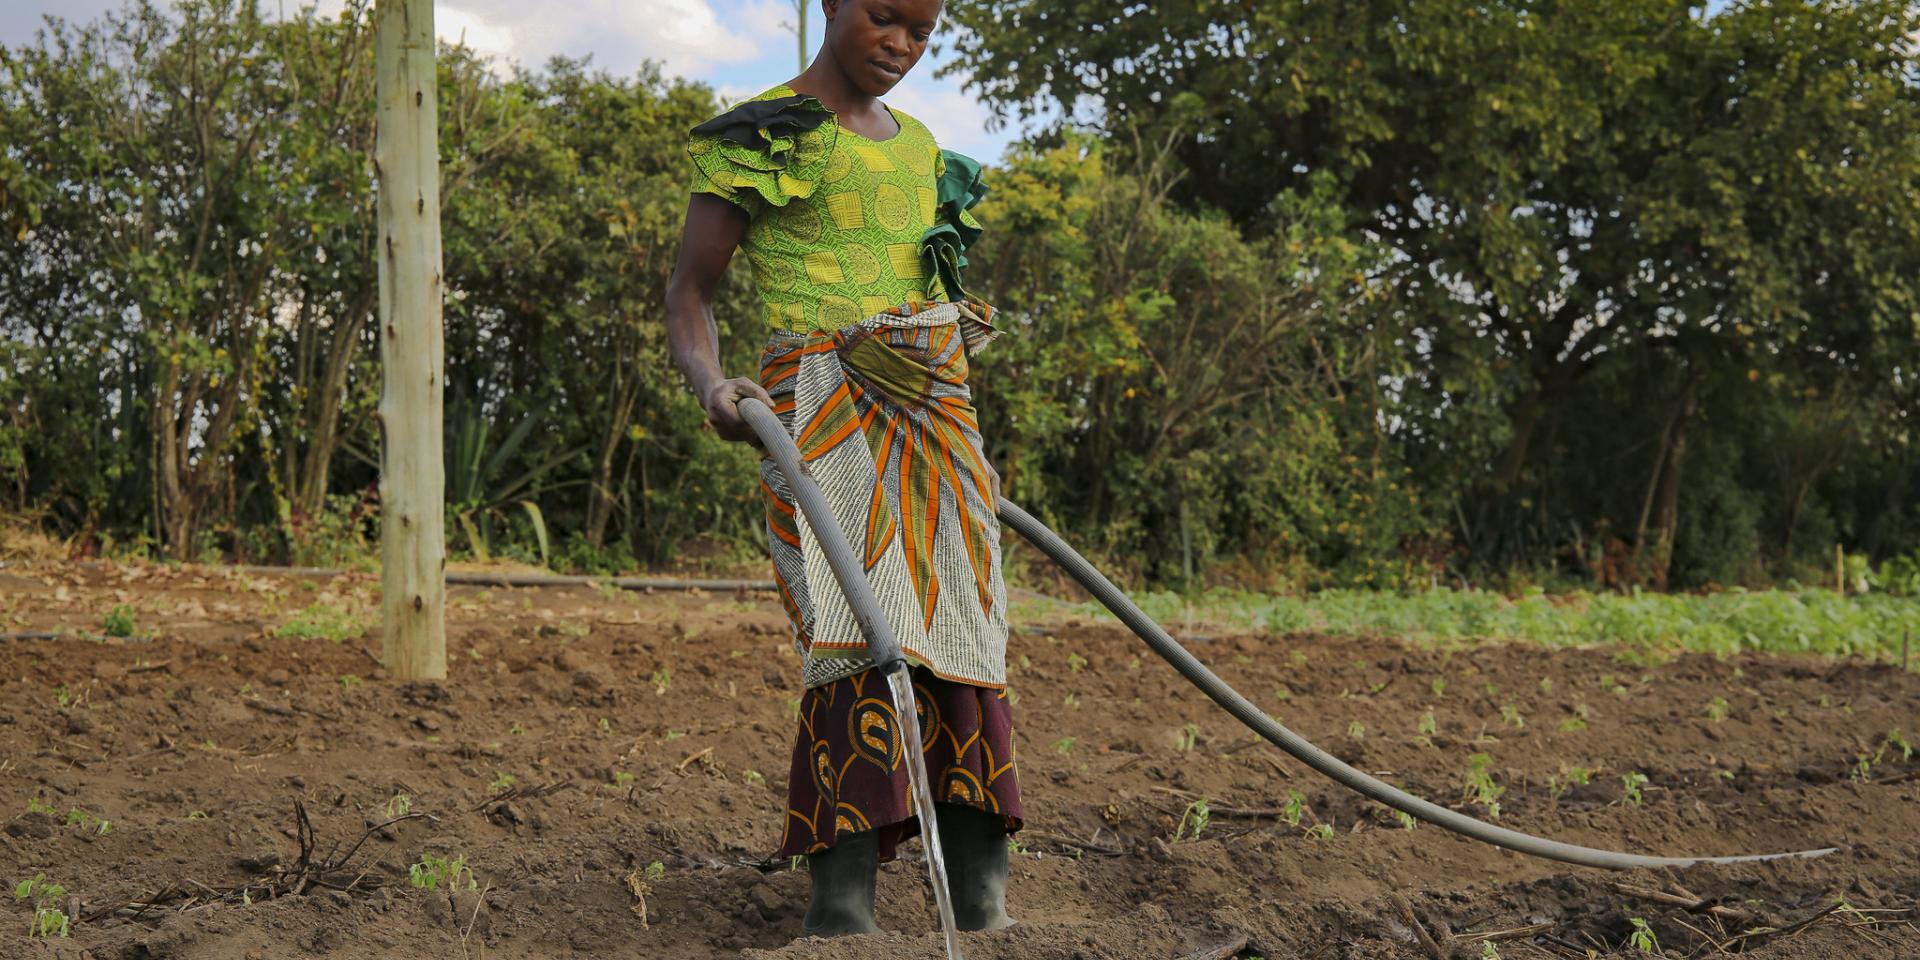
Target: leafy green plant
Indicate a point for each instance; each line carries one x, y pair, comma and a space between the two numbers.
89, 822
37, 805
1642, 938
1488, 951
399, 805
1894, 740
1294, 809
1189, 735
1428, 725
1512, 717
1717, 709
118, 622
49, 917
1438, 686
348, 681
1064, 744
1579, 721
1356, 730
1480, 782
1633, 780
662, 679
323, 621
502, 782
1076, 662
1407, 820
1193, 821
622, 779
1321, 831
432, 872
656, 872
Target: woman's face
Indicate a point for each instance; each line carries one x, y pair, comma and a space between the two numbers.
877, 41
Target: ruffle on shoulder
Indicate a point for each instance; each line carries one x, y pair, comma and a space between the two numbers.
776, 149
945, 244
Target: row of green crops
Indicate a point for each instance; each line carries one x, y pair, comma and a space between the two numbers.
1771, 621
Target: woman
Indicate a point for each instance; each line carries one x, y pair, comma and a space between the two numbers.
855, 224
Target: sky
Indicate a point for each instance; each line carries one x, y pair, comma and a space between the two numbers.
738, 47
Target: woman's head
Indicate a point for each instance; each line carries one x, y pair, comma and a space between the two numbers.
875, 42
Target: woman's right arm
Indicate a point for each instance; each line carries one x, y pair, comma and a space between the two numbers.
713, 230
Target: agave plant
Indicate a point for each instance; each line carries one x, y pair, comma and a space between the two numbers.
476, 485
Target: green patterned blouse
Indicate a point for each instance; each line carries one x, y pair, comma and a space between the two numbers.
843, 226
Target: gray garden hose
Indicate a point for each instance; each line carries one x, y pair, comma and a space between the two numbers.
1197, 673
886, 652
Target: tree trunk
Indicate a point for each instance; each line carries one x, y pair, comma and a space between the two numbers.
1666, 515
1526, 417
412, 472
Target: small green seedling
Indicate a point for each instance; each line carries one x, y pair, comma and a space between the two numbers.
621, 779
89, 822
64, 697
1581, 714
662, 679
1193, 821
518, 729
1428, 725
1356, 730
348, 681
1894, 740
49, 919
1296, 806
502, 782
1064, 744
1439, 687
1717, 709
606, 725
37, 805
431, 872
1634, 780
1072, 700
1407, 821
656, 871
1488, 951
1076, 662
753, 778
1610, 685
1189, 735
399, 805
1321, 831
1642, 938
1862, 769
1480, 780
118, 623
1512, 717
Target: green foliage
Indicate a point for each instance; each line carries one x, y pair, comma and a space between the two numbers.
433, 872
118, 621
323, 621
47, 899
1193, 821
1481, 785
1642, 938
1604, 294
1633, 780
1737, 621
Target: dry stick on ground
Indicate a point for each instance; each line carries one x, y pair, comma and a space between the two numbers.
1412, 920
1689, 903
527, 793
287, 881
1224, 951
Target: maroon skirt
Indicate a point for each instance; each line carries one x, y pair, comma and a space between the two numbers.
847, 771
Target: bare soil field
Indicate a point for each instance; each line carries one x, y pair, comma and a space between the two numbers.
611, 767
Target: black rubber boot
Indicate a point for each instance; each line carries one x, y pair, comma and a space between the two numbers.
975, 844
843, 877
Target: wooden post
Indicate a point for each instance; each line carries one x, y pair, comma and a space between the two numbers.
412, 353
1839, 570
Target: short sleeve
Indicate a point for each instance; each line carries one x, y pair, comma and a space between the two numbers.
763, 152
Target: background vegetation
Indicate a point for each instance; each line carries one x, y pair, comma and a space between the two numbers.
1299, 295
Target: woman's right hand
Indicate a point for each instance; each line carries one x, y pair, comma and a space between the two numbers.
723, 408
